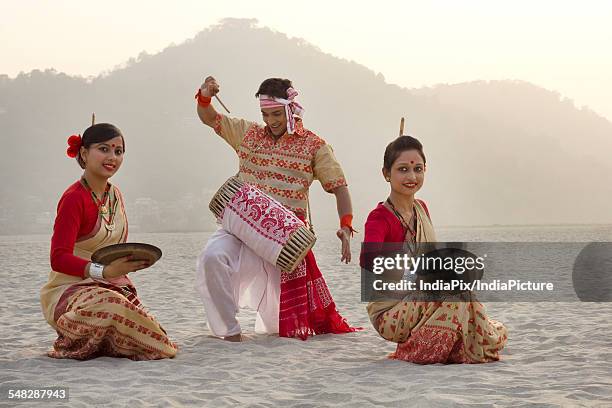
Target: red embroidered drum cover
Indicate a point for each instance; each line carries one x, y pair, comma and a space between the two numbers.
261, 222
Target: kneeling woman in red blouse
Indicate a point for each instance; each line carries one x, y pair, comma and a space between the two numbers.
427, 332
94, 308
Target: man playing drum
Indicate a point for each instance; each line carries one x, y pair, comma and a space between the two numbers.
281, 158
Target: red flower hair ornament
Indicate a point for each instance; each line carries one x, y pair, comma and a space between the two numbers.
74, 145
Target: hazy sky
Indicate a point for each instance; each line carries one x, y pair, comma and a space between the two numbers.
564, 46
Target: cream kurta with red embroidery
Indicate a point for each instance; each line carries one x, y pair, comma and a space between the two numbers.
284, 168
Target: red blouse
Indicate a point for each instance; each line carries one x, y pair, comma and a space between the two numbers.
383, 226
76, 218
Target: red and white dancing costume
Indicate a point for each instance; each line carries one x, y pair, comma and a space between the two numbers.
95, 317
230, 275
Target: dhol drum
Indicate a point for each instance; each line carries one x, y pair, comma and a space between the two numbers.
262, 223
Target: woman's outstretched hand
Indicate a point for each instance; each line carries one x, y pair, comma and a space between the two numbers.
123, 266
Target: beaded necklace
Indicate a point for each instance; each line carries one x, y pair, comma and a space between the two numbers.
410, 240
402, 220
104, 209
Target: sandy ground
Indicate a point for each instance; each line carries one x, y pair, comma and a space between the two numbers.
559, 354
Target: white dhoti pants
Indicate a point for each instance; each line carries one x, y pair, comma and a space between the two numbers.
229, 275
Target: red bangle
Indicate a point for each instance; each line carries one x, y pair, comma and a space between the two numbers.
203, 101
347, 221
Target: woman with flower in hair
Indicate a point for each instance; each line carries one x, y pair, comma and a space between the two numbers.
427, 329
95, 308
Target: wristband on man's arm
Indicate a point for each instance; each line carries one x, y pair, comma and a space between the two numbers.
347, 221
203, 101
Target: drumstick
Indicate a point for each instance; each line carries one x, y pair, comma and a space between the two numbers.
216, 97
402, 127
93, 118
222, 104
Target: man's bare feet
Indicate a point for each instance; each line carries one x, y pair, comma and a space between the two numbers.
235, 338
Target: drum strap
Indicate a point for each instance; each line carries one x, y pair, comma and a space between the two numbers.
310, 226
